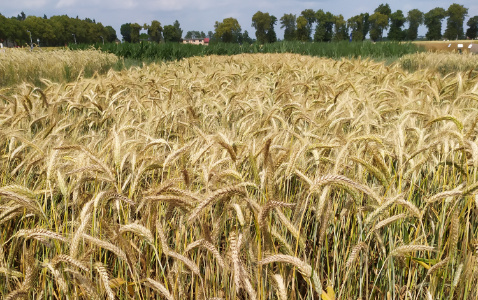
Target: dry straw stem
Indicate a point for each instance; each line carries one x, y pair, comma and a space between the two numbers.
266, 209
106, 245
31, 272
470, 189
281, 290
173, 200
380, 210
288, 224
140, 230
26, 198
303, 267
175, 154
40, 234
100, 268
159, 287
241, 279
235, 248
58, 277
167, 251
189, 263
235, 189
85, 284
239, 214
354, 253
402, 250
410, 206
373, 170
11, 273
457, 277
17, 294
454, 231
93, 157
208, 246
389, 220
340, 179
221, 140
442, 195
70, 260
438, 265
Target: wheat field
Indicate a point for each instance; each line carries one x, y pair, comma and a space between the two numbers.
266, 176
59, 65
444, 63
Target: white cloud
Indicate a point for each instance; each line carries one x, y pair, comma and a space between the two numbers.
65, 3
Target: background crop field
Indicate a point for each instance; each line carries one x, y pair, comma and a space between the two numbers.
253, 176
19, 65
150, 52
448, 46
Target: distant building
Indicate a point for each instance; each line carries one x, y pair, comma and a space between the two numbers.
199, 41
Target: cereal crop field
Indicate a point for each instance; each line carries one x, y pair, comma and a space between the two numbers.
254, 176
447, 46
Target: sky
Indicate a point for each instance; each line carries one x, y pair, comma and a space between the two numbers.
201, 15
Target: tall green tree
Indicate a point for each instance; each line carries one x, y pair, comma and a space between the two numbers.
271, 33
172, 33
288, 23
40, 29
432, 20
154, 31
3, 28
227, 31
135, 29
64, 28
261, 22
11, 29
310, 16
110, 34
415, 19
194, 34
325, 25
472, 31
179, 31
302, 33
58, 30
397, 20
359, 26
246, 39
384, 9
169, 34
95, 32
21, 16
190, 35
126, 32
365, 24
340, 29
379, 21
456, 14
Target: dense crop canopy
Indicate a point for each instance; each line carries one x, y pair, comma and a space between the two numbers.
252, 176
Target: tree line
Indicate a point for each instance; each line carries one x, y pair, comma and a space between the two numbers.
54, 31
310, 25
322, 26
